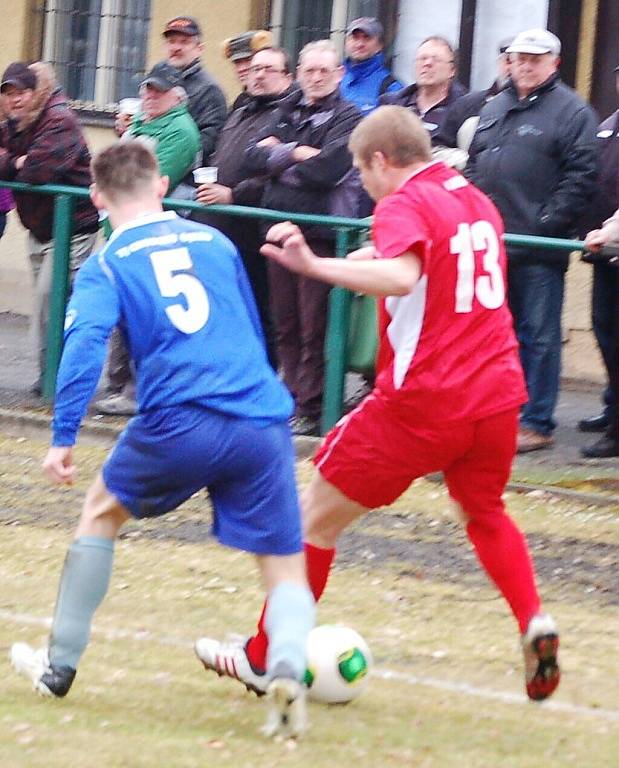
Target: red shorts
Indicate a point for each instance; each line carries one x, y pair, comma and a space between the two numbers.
373, 454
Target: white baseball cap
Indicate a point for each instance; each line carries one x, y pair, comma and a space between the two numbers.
536, 41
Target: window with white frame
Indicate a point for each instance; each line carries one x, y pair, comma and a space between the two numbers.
97, 48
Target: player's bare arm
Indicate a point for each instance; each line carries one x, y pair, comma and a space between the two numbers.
363, 254
58, 464
375, 277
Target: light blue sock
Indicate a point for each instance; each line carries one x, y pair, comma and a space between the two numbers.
83, 584
290, 615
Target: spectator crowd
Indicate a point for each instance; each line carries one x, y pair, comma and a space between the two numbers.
527, 140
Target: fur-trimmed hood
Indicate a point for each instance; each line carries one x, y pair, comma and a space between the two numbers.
46, 87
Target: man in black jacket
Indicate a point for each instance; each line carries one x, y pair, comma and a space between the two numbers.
534, 154
206, 101
304, 154
435, 87
269, 80
605, 295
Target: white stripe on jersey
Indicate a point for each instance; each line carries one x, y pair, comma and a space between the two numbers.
403, 331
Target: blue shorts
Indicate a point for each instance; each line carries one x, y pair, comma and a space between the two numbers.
164, 457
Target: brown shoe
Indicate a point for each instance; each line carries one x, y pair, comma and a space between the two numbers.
530, 440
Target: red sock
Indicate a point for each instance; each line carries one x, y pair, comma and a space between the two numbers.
318, 564
502, 550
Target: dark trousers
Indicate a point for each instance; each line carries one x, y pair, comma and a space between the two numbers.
613, 363
119, 366
536, 300
604, 315
299, 310
256, 268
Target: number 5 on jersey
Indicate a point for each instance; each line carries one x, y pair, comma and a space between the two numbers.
489, 288
191, 315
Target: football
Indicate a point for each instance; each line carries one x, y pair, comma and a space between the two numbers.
338, 663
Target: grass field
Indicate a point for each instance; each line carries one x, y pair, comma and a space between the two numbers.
447, 687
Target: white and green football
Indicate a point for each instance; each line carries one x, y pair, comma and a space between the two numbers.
338, 663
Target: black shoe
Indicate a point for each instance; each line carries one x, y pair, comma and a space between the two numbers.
48, 680
604, 448
594, 423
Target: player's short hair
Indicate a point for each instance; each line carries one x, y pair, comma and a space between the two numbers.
396, 132
124, 169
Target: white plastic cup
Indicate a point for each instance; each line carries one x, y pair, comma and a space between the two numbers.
129, 106
205, 175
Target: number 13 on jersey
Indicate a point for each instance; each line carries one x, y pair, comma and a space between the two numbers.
488, 288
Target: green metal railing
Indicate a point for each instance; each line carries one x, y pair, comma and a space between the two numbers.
348, 235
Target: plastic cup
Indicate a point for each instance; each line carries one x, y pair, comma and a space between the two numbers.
129, 106
205, 175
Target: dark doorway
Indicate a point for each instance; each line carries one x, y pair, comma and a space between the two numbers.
564, 21
603, 92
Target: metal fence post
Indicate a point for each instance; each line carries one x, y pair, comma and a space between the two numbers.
336, 342
63, 209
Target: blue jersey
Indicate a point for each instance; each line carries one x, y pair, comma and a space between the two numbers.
179, 294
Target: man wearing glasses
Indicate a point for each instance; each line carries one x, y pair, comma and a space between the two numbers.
435, 87
268, 81
305, 157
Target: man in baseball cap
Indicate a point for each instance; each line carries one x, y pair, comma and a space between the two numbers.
20, 76
162, 76
182, 42
366, 78
541, 176
368, 25
536, 41
239, 50
184, 25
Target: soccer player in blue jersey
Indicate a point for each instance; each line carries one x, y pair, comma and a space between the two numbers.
212, 414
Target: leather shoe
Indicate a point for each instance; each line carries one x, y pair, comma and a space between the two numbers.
594, 423
530, 440
603, 448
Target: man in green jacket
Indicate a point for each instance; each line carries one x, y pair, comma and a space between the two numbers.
165, 124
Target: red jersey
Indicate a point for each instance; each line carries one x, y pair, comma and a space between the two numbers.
447, 349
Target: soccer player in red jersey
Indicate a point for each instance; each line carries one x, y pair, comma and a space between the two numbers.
449, 383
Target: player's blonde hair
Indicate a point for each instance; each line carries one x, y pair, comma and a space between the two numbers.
395, 132
124, 169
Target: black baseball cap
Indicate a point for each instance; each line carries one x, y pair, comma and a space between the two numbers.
504, 44
185, 25
163, 77
20, 76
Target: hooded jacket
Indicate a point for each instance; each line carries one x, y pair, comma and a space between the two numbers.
175, 141
536, 159
56, 153
364, 82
